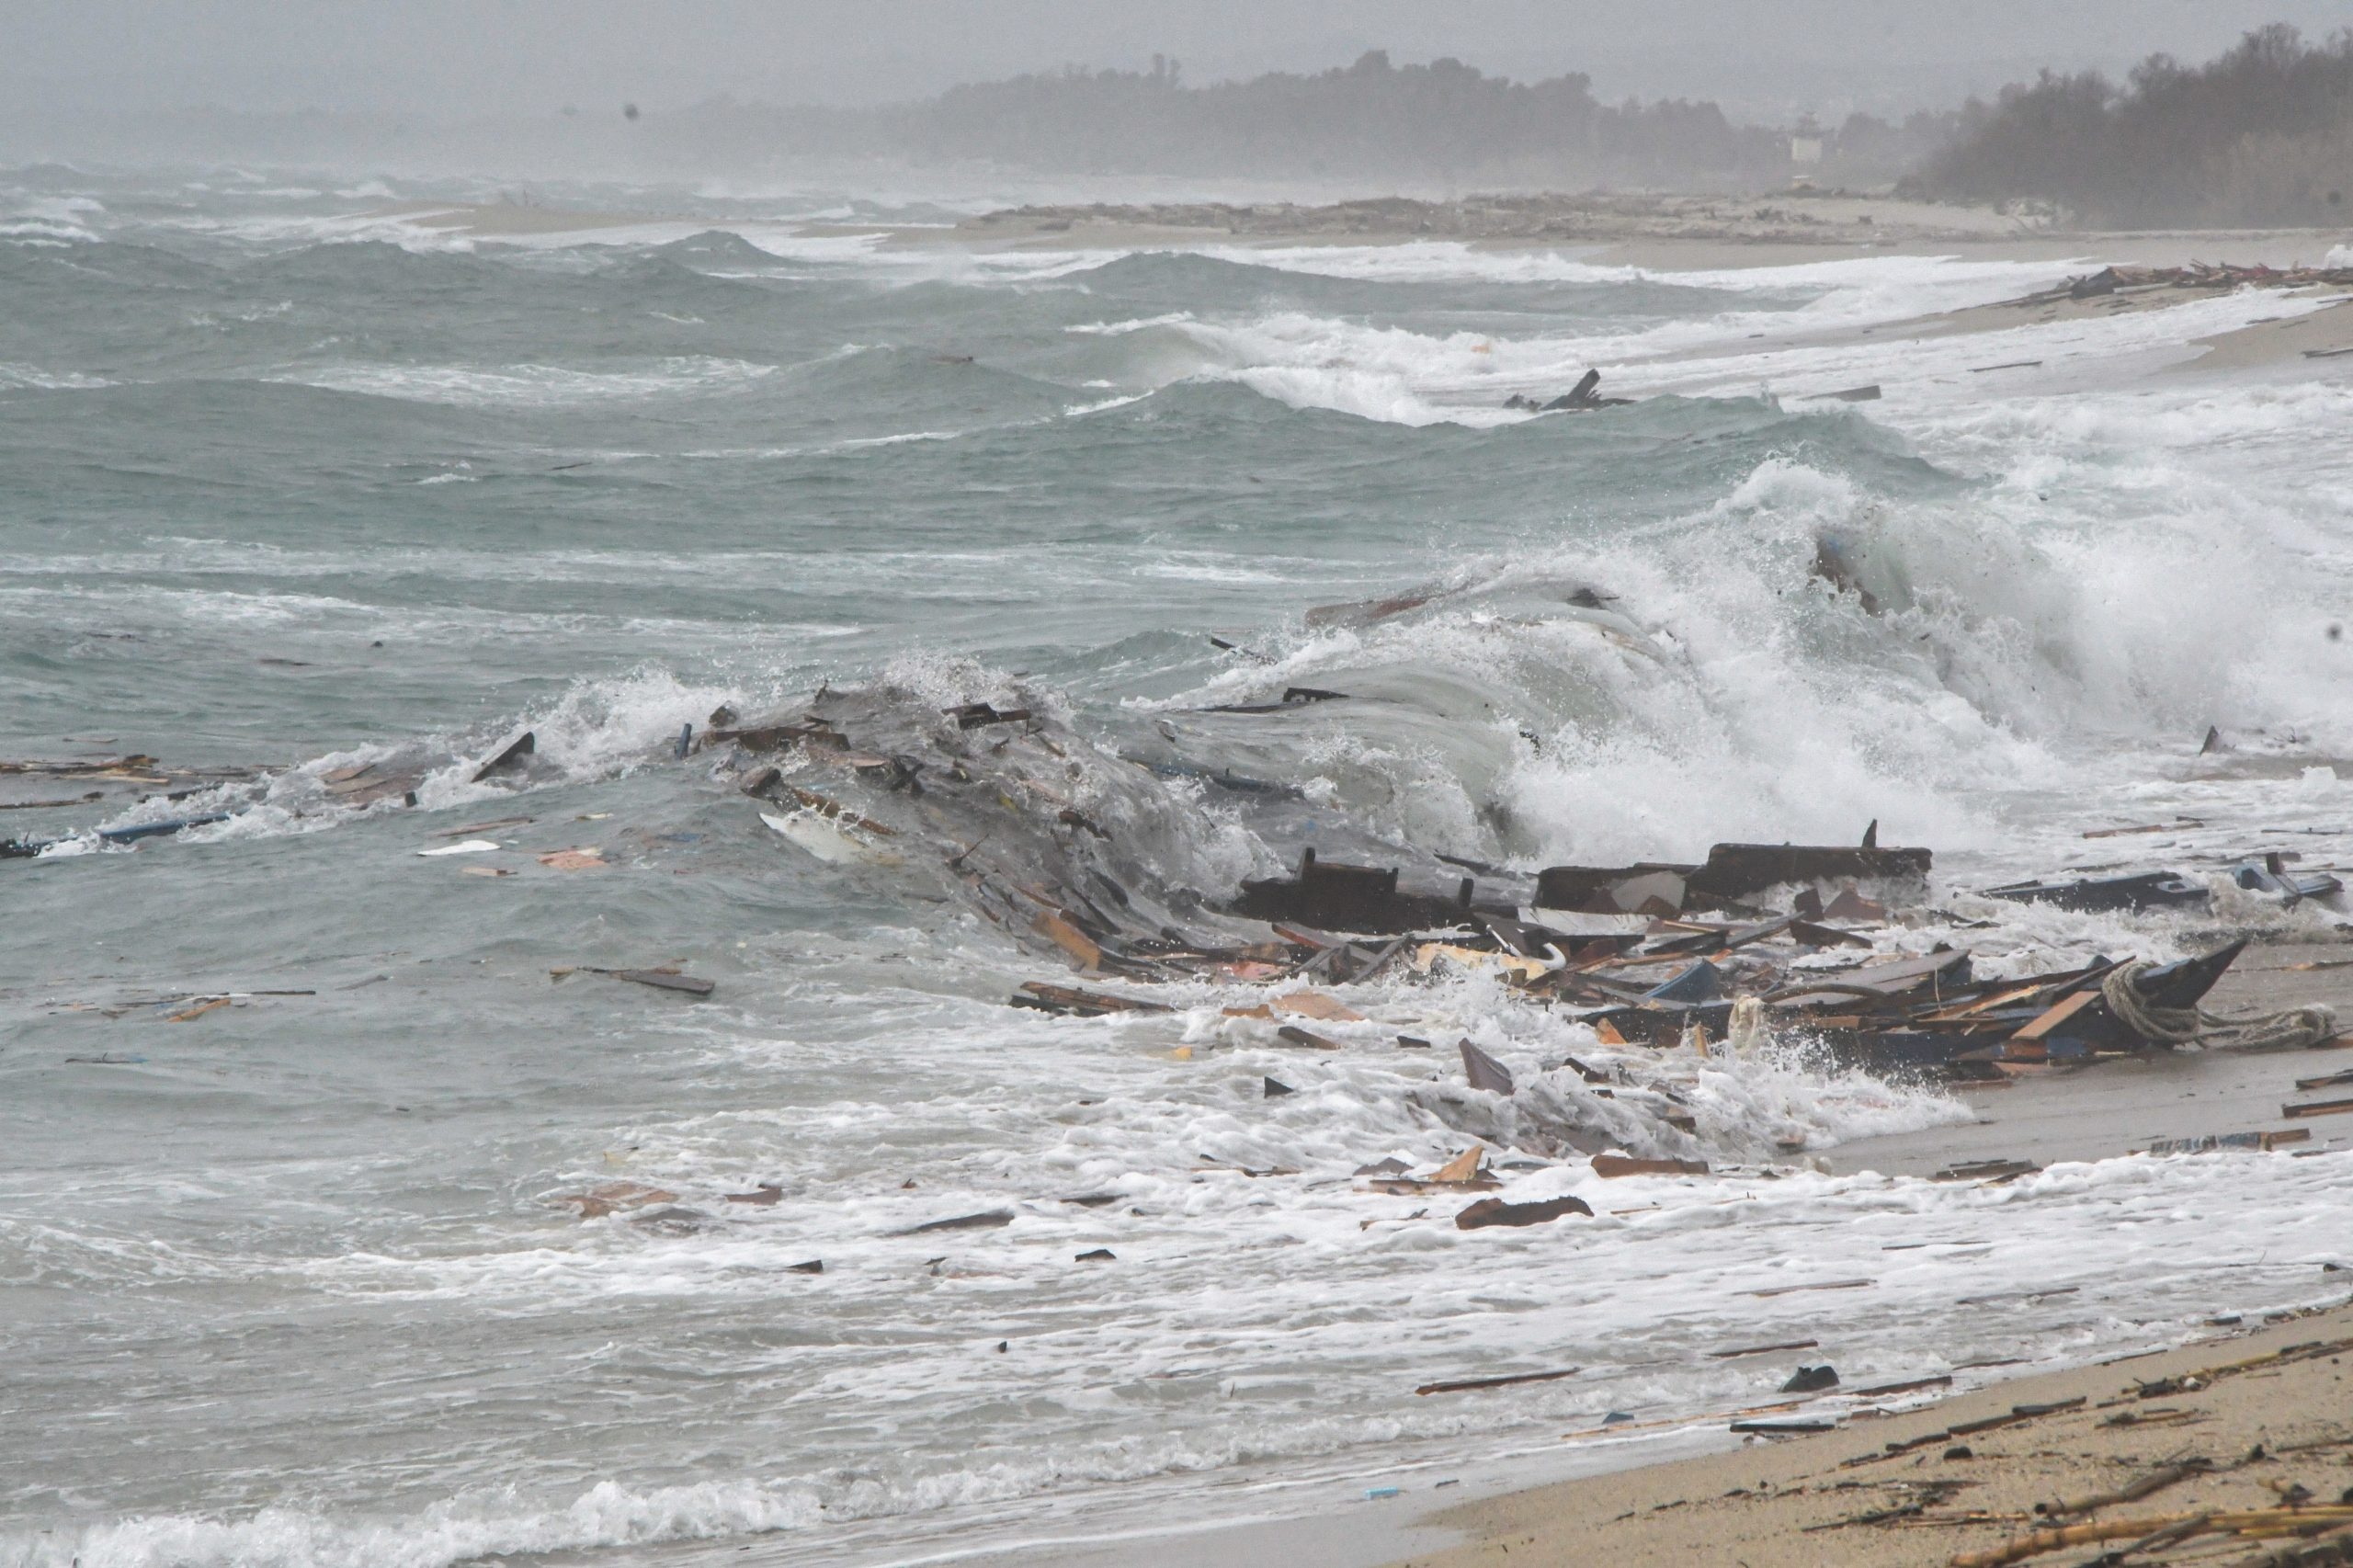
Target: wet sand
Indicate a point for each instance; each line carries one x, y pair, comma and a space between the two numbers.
1766, 1505
1843, 1497
2323, 337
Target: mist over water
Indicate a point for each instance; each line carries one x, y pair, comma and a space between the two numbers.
291, 486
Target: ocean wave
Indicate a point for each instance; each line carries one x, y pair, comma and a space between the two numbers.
532, 386
31, 378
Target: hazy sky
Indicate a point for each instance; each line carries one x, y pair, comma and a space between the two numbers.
463, 58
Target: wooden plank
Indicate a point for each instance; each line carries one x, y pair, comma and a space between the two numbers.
1069, 939
1983, 1004
2059, 1013
1826, 1285
2317, 1108
1317, 1005
1615, 1165
1461, 1385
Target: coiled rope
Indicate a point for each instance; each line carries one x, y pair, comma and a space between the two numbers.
2292, 1029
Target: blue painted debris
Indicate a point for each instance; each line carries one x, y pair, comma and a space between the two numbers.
1700, 982
26, 848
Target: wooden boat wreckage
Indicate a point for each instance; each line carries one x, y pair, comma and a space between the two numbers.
2197, 276
1058, 844
106, 786
1582, 398
1063, 844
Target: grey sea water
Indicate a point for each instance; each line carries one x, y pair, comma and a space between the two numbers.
297, 473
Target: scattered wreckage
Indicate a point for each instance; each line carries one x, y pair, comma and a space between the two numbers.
1061, 843
1045, 840
2197, 275
1064, 845
1580, 399
107, 783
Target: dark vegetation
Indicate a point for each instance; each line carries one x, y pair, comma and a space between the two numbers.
1441, 123
1443, 120
2261, 135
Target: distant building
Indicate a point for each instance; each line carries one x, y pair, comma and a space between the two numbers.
1806, 151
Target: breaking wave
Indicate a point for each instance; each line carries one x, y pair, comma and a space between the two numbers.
1986, 614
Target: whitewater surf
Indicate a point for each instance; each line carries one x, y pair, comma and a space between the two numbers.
308, 490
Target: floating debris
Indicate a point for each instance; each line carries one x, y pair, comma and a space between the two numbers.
1489, 1212
1466, 1385
1579, 399
616, 1197
989, 1220
662, 980
509, 758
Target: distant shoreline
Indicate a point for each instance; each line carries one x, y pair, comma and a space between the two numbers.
1663, 233
1667, 233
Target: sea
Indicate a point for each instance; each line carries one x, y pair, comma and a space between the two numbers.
302, 471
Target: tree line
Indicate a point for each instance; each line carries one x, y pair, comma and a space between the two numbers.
1445, 122
2261, 135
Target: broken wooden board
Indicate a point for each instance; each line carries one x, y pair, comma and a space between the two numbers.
2057, 1014
1615, 1165
833, 839
988, 1219
1493, 1211
614, 1197
1048, 998
1764, 1349
1317, 1005
509, 758
2228, 1142
1084, 951
1824, 1285
1484, 1073
1465, 1385
662, 980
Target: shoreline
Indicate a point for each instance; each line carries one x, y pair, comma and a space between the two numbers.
1560, 1507
1591, 1494
1660, 232
1647, 234
1916, 1486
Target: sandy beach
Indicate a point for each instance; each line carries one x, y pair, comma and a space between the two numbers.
1695, 1491
2246, 1422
